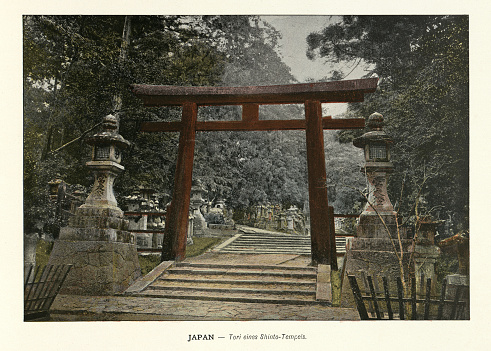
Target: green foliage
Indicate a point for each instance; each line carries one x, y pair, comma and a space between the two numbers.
201, 245
446, 263
423, 93
72, 73
248, 168
343, 164
76, 66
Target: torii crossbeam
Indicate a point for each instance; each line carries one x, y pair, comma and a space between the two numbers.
312, 95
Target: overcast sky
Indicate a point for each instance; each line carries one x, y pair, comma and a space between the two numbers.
294, 30
293, 48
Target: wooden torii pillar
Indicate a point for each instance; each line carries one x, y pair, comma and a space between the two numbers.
312, 95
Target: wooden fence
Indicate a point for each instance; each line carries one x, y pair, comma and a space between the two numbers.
41, 285
376, 304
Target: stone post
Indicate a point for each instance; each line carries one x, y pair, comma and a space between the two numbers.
96, 240
190, 233
460, 242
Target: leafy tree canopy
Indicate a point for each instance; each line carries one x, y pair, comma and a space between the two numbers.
76, 67
423, 65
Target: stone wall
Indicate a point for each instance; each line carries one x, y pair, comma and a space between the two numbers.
101, 249
100, 267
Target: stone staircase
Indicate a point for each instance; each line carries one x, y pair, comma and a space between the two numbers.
254, 266
267, 242
236, 282
252, 240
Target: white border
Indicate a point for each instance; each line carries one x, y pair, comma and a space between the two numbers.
16, 335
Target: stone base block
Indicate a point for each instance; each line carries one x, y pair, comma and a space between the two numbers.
100, 267
370, 225
323, 290
95, 217
382, 263
378, 244
453, 282
457, 279
374, 257
96, 234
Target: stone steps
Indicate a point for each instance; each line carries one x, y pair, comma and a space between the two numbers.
268, 242
239, 283
275, 249
229, 296
243, 272
306, 269
264, 242
231, 288
252, 283
240, 278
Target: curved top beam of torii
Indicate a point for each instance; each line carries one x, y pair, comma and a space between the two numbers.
325, 92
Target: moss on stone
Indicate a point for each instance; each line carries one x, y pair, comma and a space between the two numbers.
43, 250
336, 288
148, 262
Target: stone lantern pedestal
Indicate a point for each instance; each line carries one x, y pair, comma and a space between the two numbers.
96, 240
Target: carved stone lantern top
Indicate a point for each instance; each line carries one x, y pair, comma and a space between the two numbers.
376, 144
197, 188
375, 133
109, 135
427, 227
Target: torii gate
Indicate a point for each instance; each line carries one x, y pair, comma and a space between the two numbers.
312, 95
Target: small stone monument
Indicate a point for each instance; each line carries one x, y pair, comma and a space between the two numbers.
200, 227
96, 240
425, 251
290, 218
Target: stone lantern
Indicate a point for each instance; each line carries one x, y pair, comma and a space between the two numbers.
97, 241
220, 203
54, 189
372, 251
376, 146
197, 191
105, 163
133, 201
